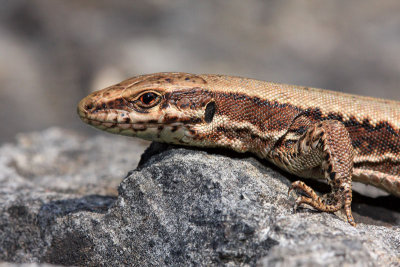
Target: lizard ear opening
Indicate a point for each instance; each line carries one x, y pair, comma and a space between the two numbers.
210, 111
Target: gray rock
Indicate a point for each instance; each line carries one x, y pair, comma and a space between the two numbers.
8, 264
62, 161
180, 207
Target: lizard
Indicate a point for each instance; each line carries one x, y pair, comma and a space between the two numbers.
308, 132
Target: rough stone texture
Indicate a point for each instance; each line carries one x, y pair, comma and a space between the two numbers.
180, 207
63, 161
8, 264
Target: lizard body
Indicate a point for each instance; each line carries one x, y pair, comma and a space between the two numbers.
312, 133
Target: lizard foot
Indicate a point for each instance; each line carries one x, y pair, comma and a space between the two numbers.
331, 203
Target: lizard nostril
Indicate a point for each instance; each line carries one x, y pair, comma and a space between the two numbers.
89, 106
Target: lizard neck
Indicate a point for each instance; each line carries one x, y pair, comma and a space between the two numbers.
245, 123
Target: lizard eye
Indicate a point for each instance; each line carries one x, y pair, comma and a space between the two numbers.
148, 100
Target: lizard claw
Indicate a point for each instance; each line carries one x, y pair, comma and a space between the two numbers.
300, 200
290, 190
294, 186
296, 204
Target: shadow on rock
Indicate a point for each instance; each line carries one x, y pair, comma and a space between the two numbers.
59, 208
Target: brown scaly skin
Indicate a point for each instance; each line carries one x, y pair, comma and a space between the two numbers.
309, 132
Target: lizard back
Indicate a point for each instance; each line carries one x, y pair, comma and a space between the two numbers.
247, 115
373, 123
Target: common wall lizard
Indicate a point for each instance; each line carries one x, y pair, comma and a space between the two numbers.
312, 133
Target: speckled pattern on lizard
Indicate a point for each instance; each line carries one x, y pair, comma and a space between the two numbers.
312, 133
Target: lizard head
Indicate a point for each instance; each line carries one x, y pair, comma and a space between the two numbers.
165, 107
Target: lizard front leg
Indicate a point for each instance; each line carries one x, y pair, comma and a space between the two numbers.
324, 149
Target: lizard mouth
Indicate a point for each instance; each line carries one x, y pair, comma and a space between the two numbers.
175, 132
104, 120
139, 126
146, 126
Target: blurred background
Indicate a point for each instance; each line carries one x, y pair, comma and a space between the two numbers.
54, 52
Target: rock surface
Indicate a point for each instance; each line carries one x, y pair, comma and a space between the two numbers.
180, 207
